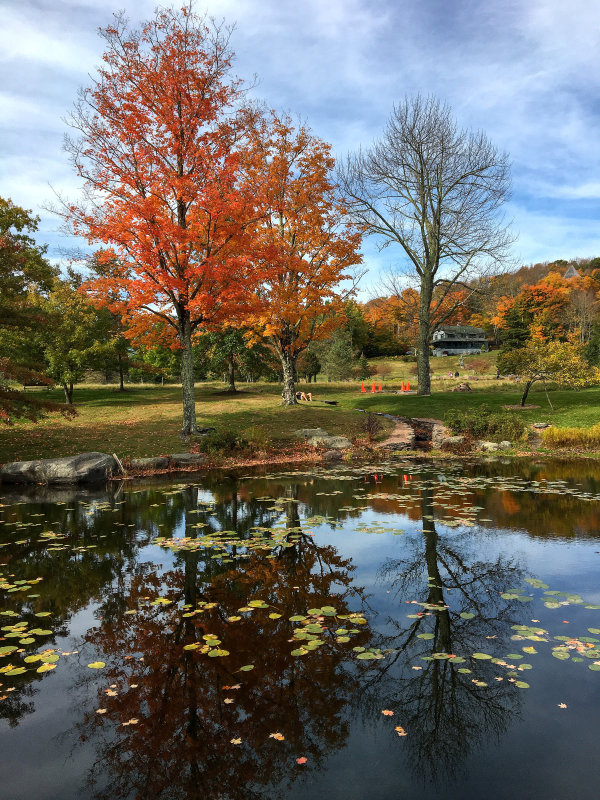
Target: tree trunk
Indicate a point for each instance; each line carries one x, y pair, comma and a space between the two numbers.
231, 374
423, 377
68, 389
121, 376
436, 591
187, 376
289, 386
526, 392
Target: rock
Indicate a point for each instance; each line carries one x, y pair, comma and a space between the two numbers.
449, 441
394, 447
158, 462
82, 468
439, 435
187, 459
541, 425
332, 442
309, 433
402, 437
505, 445
331, 456
489, 447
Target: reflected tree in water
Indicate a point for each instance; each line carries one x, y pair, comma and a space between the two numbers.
446, 712
189, 705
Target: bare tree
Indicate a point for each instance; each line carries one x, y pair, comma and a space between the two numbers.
436, 191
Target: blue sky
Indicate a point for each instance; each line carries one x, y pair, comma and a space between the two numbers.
527, 73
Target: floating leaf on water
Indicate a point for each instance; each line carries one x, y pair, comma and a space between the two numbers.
300, 651
328, 610
467, 615
247, 668
425, 635
97, 665
46, 667
464, 670
594, 667
297, 618
481, 656
366, 656
522, 685
274, 616
20, 671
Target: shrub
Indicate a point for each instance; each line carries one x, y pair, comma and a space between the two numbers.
258, 438
480, 422
576, 438
221, 442
372, 425
383, 370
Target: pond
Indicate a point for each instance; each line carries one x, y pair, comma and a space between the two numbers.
383, 631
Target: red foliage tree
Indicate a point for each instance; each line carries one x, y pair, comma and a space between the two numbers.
161, 153
305, 246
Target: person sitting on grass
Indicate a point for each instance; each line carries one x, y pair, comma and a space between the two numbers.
304, 396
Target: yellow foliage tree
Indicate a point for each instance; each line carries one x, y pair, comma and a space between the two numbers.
560, 362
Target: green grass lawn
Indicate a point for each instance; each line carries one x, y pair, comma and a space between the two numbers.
146, 420
571, 409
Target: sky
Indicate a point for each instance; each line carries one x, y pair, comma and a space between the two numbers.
525, 72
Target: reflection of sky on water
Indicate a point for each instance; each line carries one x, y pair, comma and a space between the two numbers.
541, 750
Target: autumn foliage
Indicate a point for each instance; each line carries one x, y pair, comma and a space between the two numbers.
304, 246
161, 157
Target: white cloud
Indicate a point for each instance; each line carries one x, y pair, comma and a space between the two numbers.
526, 73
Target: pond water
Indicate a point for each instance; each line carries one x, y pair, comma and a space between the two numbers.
394, 630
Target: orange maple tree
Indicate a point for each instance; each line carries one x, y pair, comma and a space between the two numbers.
304, 245
162, 156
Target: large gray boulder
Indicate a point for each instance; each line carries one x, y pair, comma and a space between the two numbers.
82, 468
310, 433
156, 462
187, 459
488, 447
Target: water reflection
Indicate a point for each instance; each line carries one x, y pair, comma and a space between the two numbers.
181, 716
189, 707
449, 708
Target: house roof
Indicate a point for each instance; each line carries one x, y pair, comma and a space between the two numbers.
458, 329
